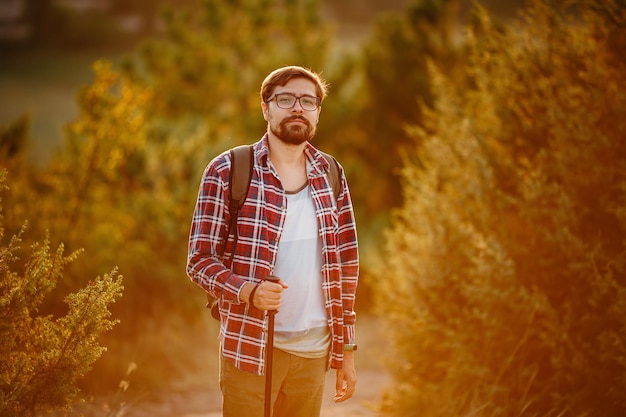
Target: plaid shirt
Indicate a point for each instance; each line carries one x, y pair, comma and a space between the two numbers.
260, 224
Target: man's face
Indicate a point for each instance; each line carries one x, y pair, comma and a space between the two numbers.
293, 125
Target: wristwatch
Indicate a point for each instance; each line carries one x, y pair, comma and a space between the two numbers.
350, 346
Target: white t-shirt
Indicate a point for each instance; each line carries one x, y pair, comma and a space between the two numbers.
301, 326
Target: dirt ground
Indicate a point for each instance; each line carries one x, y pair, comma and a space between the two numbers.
372, 375
207, 404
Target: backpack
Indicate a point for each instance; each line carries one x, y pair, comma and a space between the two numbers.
242, 163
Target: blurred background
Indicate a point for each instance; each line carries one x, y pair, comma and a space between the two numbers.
483, 144
48, 47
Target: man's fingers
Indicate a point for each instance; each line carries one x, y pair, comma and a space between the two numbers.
269, 295
345, 386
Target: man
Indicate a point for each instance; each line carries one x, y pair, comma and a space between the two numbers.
290, 228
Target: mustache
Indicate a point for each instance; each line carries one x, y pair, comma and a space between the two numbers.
296, 118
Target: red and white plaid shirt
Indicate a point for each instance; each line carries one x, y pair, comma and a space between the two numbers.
260, 223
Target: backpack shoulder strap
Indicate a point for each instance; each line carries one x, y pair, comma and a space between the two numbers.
242, 162
240, 174
333, 174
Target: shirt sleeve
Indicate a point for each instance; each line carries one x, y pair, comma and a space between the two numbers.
209, 233
349, 260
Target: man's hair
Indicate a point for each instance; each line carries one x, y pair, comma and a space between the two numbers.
281, 76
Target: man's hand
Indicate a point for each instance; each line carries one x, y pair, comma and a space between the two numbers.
267, 296
345, 383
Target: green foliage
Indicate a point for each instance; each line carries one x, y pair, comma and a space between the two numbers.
209, 68
42, 356
395, 82
509, 246
105, 151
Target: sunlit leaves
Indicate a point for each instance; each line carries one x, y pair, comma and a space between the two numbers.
214, 59
509, 244
43, 355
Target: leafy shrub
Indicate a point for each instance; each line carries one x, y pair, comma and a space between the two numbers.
506, 267
42, 356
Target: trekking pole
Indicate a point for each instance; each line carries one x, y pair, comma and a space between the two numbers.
269, 356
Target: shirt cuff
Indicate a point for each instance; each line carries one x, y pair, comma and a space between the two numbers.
233, 287
349, 331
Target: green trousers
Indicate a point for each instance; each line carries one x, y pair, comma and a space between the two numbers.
297, 388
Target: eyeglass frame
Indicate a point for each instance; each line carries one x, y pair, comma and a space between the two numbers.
297, 100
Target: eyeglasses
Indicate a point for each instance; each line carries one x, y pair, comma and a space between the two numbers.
288, 100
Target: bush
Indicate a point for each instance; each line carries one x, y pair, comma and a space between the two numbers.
509, 251
43, 356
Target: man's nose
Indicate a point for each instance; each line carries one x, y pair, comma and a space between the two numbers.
297, 107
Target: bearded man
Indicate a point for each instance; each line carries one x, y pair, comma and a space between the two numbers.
296, 252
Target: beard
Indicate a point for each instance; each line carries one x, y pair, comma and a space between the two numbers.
294, 134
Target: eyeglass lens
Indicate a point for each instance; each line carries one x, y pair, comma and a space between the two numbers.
287, 101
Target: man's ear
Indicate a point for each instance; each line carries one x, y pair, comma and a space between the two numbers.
265, 110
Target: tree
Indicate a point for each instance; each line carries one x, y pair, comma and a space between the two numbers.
208, 70
510, 241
